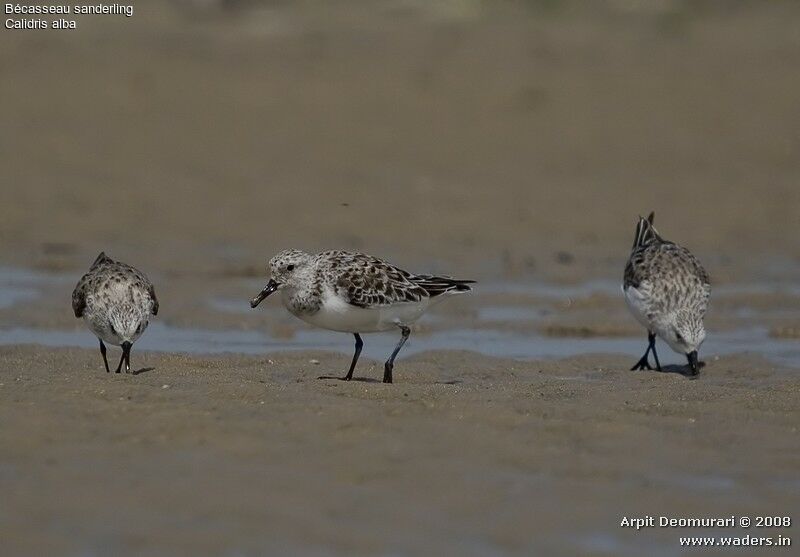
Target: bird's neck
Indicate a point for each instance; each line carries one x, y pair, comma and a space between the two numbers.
301, 299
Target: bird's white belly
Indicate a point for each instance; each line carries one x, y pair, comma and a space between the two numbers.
337, 315
638, 306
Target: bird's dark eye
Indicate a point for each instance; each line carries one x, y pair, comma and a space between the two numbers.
290, 267
139, 328
678, 336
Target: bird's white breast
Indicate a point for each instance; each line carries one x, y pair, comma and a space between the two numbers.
337, 315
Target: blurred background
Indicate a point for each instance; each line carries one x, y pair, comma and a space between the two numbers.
512, 142
489, 139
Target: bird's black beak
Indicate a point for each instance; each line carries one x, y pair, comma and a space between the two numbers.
693, 364
271, 287
126, 355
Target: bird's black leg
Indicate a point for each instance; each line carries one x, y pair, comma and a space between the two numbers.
387, 368
103, 352
126, 357
119, 366
644, 363
652, 338
356, 354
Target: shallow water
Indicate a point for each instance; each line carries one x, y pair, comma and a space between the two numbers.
501, 344
20, 285
546, 290
15, 295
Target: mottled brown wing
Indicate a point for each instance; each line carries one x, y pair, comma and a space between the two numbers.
79, 297
633, 270
152, 292
700, 271
365, 281
140, 281
677, 261
669, 267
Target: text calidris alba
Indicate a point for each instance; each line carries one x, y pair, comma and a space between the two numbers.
355, 293
667, 290
116, 301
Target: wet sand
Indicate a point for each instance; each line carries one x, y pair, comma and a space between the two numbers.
466, 454
511, 143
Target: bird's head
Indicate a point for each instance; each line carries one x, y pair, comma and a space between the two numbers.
285, 270
127, 322
686, 334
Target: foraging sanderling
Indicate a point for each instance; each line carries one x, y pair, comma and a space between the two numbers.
355, 293
667, 290
116, 301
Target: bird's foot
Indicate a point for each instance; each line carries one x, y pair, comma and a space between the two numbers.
345, 378
642, 364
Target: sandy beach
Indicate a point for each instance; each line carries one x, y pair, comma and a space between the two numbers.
511, 143
479, 456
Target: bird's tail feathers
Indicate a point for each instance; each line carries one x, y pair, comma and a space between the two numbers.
645, 231
438, 285
101, 258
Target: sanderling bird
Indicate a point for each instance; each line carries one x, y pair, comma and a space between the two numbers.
355, 293
667, 290
116, 301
